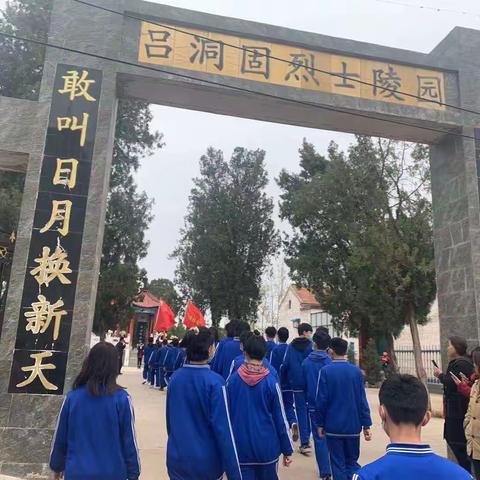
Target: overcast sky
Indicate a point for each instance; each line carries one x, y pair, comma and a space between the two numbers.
167, 175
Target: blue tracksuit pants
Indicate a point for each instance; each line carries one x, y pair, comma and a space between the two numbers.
344, 453
260, 472
160, 378
152, 372
321, 449
302, 417
288, 404
145, 371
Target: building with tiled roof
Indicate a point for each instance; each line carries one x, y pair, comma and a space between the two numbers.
299, 305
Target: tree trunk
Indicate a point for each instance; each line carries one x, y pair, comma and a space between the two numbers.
417, 348
391, 353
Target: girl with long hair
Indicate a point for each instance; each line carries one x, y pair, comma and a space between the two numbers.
95, 434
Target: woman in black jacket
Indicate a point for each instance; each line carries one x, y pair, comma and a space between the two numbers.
455, 404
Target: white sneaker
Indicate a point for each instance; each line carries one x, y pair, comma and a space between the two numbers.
305, 449
295, 434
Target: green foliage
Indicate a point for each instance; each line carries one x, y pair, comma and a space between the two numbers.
22, 63
128, 216
371, 363
229, 235
351, 354
362, 233
11, 189
165, 289
177, 331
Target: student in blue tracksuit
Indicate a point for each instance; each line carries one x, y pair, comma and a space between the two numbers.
240, 360
404, 411
153, 363
146, 359
173, 360
278, 354
291, 367
230, 350
162, 356
342, 411
229, 335
312, 367
200, 443
270, 333
258, 419
95, 434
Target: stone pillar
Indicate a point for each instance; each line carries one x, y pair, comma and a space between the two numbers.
27, 421
456, 234
455, 192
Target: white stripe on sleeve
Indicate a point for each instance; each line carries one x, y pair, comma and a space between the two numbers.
279, 393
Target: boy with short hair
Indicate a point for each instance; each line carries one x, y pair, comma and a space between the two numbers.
197, 413
270, 333
404, 411
257, 415
342, 411
229, 334
240, 360
291, 369
278, 354
312, 369
230, 350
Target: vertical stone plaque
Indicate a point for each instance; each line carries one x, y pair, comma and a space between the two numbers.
45, 320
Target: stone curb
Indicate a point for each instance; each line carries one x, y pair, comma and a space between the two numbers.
4, 477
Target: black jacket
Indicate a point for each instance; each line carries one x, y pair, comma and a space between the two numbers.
455, 404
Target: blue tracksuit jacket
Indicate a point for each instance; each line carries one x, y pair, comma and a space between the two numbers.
200, 439
259, 424
311, 367
154, 357
215, 363
240, 360
406, 461
278, 354
95, 437
146, 354
291, 368
270, 346
173, 359
341, 405
225, 356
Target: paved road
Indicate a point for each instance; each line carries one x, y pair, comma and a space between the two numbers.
152, 437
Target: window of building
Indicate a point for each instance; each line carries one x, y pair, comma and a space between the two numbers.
289, 304
323, 319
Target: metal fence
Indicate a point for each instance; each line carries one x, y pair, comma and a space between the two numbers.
406, 361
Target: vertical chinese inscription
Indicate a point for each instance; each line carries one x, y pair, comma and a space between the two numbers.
43, 333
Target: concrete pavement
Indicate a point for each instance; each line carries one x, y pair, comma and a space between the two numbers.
152, 435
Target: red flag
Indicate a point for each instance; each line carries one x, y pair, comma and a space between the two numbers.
193, 316
165, 318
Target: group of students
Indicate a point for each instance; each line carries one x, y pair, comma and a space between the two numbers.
236, 423
160, 360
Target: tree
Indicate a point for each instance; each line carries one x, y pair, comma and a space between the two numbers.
363, 237
128, 216
128, 211
275, 283
22, 62
229, 235
372, 365
165, 289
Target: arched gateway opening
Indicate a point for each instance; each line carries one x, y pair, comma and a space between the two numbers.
175, 57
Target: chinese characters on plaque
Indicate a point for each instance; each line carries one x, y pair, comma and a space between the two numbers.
43, 334
257, 60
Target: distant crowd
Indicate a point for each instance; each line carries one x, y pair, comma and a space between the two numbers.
235, 407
